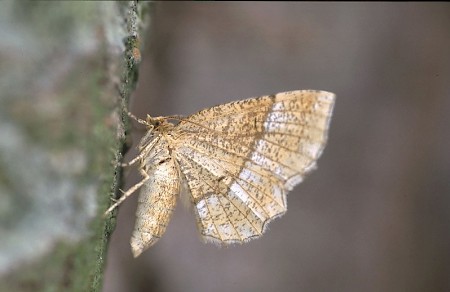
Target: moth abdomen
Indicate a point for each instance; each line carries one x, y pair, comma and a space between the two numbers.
156, 202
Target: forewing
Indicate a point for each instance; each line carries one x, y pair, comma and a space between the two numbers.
240, 159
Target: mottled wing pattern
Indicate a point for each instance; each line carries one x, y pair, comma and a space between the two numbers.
240, 159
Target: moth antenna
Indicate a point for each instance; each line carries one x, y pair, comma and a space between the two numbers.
140, 121
125, 109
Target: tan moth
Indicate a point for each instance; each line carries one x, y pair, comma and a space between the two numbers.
238, 160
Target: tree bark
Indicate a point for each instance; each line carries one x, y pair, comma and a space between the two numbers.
68, 69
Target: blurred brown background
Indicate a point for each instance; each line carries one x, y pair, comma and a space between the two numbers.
375, 214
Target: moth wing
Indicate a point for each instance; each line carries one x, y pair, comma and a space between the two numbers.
240, 159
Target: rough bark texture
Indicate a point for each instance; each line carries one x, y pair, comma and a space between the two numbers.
68, 69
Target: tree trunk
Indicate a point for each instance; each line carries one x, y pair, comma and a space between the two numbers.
68, 69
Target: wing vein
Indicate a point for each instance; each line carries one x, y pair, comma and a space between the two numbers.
240, 155
232, 175
228, 188
239, 135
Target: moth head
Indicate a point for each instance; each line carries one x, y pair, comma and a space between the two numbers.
158, 123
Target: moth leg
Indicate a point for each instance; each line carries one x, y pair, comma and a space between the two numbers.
143, 153
133, 161
129, 192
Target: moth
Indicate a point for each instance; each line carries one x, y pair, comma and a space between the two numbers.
238, 161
